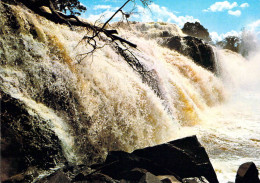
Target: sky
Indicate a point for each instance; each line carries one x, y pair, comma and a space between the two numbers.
221, 18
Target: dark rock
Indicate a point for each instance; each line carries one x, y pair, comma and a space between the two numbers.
196, 30
99, 178
202, 53
168, 179
15, 178
195, 180
57, 177
26, 140
166, 34
184, 157
79, 177
123, 181
174, 43
60, 96
68, 168
181, 158
149, 178
134, 175
93, 177
118, 164
26, 176
247, 173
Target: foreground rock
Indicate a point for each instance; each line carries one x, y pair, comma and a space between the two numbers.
26, 140
183, 158
194, 48
247, 173
180, 161
58, 177
195, 180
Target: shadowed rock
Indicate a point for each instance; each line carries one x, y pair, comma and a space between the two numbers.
58, 177
168, 179
135, 174
196, 30
26, 140
149, 178
195, 180
181, 158
247, 173
195, 48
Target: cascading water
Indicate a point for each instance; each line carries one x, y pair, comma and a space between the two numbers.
103, 104
230, 131
232, 136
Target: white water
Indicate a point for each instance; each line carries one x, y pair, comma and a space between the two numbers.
238, 121
231, 131
125, 112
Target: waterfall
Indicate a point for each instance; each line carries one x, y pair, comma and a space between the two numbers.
120, 107
231, 130
102, 103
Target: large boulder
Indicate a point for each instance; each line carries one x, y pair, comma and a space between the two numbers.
26, 140
149, 178
247, 173
202, 53
181, 158
57, 177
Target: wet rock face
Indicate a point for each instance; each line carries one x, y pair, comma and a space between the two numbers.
58, 177
26, 140
183, 160
34, 67
194, 48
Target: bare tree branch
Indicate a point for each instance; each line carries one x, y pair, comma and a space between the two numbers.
115, 14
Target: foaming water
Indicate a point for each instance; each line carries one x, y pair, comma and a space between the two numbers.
243, 118
102, 103
230, 131
123, 112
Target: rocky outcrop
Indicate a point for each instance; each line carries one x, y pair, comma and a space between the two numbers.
202, 53
180, 161
35, 67
247, 173
195, 180
57, 177
181, 158
196, 30
26, 140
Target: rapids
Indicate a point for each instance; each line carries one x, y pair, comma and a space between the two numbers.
102, 104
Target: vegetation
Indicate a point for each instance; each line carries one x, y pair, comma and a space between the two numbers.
73, 6
231, 42
244, 44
